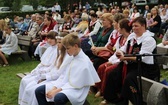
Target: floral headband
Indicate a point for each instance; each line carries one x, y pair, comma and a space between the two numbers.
59, 37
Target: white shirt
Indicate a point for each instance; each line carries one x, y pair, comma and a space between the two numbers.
58, 8
148, 45
95, 30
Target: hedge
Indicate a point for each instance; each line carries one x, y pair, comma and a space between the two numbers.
18, 13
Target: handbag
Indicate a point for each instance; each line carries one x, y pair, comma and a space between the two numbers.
104, 54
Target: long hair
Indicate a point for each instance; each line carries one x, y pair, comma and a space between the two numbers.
61, 53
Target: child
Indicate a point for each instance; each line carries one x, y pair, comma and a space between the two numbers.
10, 45
80, 75
63, 59
47, 62
149, 20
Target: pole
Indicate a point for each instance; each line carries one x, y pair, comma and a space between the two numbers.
139, 59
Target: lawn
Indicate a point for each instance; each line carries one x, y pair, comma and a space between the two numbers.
9, 83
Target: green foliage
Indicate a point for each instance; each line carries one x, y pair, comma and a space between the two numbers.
47, 3
16, 5
18, 13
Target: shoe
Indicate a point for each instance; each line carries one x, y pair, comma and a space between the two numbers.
104, 102
98, 94
4, 65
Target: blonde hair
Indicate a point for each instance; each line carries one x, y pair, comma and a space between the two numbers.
61, 53
108, 16
71, 39
3, 25
126, 11
67, 17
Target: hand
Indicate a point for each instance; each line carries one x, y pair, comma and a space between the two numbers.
94, 50
108, 64
53, 92
119, 54
50, 94
165, 43
41, 80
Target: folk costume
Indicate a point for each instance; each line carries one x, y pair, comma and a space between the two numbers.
122, 81
103, 71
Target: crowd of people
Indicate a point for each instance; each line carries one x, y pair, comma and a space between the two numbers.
86, 50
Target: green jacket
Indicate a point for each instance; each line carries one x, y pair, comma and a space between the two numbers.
103, 39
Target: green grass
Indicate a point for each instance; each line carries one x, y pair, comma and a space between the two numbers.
9, 83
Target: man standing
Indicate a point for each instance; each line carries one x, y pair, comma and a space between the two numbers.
87, 7
57, 7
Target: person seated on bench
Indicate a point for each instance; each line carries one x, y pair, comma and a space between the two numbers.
122, 81
48, 26
11, 45
164, 45
47, 63
63, 59
79, 76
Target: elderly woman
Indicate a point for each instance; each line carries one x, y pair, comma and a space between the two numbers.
11, 45
82, 26
122, 83
110, 43
103, 34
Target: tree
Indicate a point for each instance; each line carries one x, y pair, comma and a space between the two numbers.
8, 3
16, 5
34, 3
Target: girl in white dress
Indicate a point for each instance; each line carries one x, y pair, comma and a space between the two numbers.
47, 63
11, 45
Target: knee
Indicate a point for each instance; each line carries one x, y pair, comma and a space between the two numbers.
40, 90
60, 99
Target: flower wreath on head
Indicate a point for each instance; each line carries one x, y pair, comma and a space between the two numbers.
59, 37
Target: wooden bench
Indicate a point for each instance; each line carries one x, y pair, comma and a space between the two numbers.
154, 93
24, 43
162, 59
21, 75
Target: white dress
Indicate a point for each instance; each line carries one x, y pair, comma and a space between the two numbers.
11, 44
48, 61
28, 97
79, 76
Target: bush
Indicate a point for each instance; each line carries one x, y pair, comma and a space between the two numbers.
18, 13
